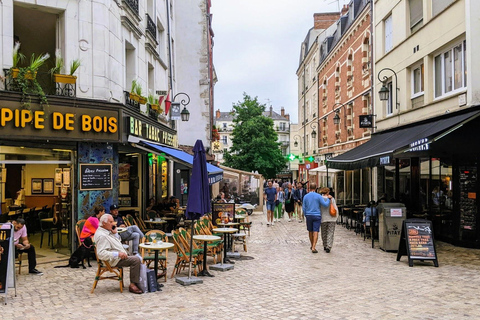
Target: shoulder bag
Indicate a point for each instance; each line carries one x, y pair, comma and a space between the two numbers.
333, 210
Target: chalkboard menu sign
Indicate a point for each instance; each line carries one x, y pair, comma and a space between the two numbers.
417, 241
221, 210
7, 257
468, 199
95, 176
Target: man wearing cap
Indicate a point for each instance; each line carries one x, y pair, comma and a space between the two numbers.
132, 233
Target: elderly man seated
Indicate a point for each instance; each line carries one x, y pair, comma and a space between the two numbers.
110, 249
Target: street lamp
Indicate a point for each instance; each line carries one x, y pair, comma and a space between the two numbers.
336, 118
185, 114
384, 92
314, 133
295, 144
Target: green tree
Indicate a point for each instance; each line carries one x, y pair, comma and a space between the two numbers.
255, 146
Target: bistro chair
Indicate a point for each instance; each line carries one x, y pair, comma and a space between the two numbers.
46, 227
103, 267
129, 220
148, 256
141, 225
213, 247
183, 256
19, 262
78, 229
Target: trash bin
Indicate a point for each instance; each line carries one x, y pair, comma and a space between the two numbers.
391, 216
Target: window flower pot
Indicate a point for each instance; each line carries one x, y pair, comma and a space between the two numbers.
142, 100
14, 72
64, 78
30, 75
134, 97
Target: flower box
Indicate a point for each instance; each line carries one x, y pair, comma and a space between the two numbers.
64, 78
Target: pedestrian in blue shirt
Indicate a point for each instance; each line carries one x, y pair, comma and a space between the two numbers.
311, 208
270, 196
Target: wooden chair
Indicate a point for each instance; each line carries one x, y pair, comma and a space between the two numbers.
141, 225
148, 256
19, 262
78, 229
183, 256
129, 220
213, 248
104, 266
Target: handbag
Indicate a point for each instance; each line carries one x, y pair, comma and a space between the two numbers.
143, 282
333, 210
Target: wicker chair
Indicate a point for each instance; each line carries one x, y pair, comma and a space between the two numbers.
104, 266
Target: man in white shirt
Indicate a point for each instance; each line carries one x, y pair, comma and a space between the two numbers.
110, 249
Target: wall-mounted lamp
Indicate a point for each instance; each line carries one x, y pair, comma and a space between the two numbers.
295, 144
185, 114
314, 133
384, 93
336, 118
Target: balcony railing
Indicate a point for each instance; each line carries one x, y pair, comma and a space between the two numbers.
132, 4
129, 102
151, 27
45, 81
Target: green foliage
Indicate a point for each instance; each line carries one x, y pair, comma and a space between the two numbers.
17, 56
138, 89
74, 65
57, 69
255, 145
37, 62
134, 86
28, 85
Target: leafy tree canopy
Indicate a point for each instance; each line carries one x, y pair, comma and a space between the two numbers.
255, 146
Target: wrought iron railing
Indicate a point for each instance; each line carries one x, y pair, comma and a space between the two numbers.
129, 102
132, 4
45, 81
151, 27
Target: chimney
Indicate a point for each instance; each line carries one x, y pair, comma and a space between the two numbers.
325, 20
282, 112
217, 114
287, 116
344, 9
271, 111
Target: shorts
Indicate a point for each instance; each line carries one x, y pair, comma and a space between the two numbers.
271, 205
313, 223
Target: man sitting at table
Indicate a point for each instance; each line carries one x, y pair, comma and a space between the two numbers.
110, 249
132, 233
23, 245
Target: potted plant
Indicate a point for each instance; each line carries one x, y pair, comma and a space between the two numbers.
153, 102
138, 91
56, 70
18, 58
35, 64
133, 95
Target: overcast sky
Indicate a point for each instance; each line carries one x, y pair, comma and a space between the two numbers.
257, 48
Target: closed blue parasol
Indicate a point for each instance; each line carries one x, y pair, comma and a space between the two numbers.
198, 202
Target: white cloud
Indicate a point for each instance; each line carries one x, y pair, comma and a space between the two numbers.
257, 47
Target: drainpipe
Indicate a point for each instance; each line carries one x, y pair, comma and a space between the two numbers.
169, 37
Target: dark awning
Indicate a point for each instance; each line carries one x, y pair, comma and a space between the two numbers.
411, 137
215, 174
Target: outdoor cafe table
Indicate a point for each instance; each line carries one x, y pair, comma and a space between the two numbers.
158, 246
205, 238
155, 222
226, 231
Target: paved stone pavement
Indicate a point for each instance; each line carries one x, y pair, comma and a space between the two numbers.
284, 280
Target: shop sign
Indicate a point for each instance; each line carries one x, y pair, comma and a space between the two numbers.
58, 122
385, 160
146, 131
419, 145
366, 121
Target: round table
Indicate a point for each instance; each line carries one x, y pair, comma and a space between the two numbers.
159, 246
156, 222
205, 238
226, 231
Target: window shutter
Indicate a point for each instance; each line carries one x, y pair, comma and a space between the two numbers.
416, 12
439, 5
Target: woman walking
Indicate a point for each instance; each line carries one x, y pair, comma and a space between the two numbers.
279, 204
328, 221
289, 201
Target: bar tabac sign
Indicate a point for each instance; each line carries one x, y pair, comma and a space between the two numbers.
59, 123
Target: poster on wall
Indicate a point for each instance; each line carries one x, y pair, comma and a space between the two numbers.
66, 177
48, 185
58, 177
37, 185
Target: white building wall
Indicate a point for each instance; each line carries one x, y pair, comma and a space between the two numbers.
192, 70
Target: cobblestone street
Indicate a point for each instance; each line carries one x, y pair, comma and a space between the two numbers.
284, 280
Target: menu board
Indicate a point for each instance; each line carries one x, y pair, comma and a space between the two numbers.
417, 241
7, 267
222, 210
468, 199
95, 176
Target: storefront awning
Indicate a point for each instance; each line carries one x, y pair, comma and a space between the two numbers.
381, 148
215, 174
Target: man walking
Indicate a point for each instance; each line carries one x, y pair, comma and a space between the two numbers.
270, 196
298, 196
311, 207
